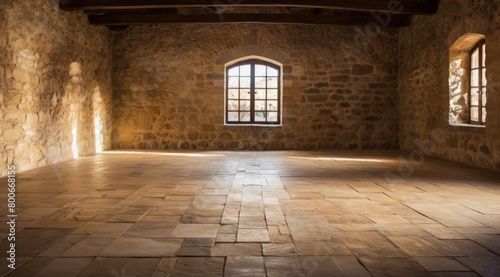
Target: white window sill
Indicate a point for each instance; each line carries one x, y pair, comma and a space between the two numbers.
468, 128
252, 125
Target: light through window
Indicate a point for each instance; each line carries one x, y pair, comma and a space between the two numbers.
477, 92
253, 93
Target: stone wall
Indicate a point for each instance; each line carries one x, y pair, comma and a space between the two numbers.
425, 86
338, 92
55, 72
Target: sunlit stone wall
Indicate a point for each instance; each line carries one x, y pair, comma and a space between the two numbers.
340, 87
55, 80
430, 72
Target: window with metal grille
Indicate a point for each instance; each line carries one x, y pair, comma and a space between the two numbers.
253, 93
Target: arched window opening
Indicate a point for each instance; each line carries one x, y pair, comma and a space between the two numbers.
253, 93
467, 80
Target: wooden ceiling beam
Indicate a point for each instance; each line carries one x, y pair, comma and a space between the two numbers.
392, 6
152, 19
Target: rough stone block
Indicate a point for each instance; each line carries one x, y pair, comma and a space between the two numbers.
12, 135
340, 78
317, 98
312, 91
358, 69
21, 75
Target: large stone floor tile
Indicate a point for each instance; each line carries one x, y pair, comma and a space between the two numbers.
202, 267
441, 232
425, 247
284, 266
321, 246
150, 230
68, 267
31, 242
142, 247
164, 267
441, 264
319, 266
492, 242
253, 235
29, 268
88, 248
394, 268
470, 248
195, 231
245, 267
110, 230
105, 267
485, 266
444, 216
368, 239
350, 266
237, 249
279, 250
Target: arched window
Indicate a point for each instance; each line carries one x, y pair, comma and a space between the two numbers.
467, 80
477, 91
253, 93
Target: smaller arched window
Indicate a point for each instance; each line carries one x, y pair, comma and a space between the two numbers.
467, 80
253, 93
477, 91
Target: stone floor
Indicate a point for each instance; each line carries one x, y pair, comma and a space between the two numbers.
255, 214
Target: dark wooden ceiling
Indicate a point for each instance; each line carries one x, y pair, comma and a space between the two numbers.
120, 13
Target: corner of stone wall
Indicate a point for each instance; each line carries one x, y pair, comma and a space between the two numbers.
55, 70
424, 82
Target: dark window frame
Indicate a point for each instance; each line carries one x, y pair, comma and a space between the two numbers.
253, 62
480, 87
